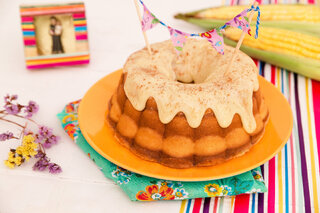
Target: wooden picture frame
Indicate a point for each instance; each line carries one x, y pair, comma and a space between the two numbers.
54, 35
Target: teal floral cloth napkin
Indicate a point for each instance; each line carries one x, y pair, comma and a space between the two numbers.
143, 188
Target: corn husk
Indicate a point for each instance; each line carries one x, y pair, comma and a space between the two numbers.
304, 66
301, 26
306, 18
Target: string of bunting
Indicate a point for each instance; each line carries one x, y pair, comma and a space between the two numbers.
214, 36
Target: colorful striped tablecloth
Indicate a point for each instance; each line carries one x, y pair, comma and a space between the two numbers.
292, 176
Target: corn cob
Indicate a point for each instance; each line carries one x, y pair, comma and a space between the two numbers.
289, 35
280, 41
291, 50
298, 17
306, 13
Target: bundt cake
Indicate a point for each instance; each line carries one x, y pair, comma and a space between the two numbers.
185, 111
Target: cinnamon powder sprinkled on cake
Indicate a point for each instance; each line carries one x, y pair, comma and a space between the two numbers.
192, 83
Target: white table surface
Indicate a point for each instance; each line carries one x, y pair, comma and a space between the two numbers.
114, 33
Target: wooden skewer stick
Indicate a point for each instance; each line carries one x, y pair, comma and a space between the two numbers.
255, 4
144, 33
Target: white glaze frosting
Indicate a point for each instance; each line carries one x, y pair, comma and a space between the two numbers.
161, 74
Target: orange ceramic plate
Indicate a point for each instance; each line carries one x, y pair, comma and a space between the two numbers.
92, 118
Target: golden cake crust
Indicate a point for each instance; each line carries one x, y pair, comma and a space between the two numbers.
176, 144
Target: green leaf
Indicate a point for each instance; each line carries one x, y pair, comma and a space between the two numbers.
246, 18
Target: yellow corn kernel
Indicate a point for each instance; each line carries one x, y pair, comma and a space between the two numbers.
280, 41
296, 12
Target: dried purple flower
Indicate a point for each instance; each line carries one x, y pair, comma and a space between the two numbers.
6, 136
46, 137
44, 162
54, 168
12, 109
31, 109
41, 164
40, 154
9, 98
6, 98
50, 141
47, 144
14, 97
45, 132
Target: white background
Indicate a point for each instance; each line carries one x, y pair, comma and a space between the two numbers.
114, 33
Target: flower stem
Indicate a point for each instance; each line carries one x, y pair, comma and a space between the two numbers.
41, 148
23, 129
3, 119
19, 116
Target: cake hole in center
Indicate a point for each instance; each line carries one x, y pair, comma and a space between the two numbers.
182, 82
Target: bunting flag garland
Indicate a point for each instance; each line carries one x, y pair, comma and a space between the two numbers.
213, 36
149, 20
240, 21
178, 39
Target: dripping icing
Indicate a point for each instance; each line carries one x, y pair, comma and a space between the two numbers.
160, 76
